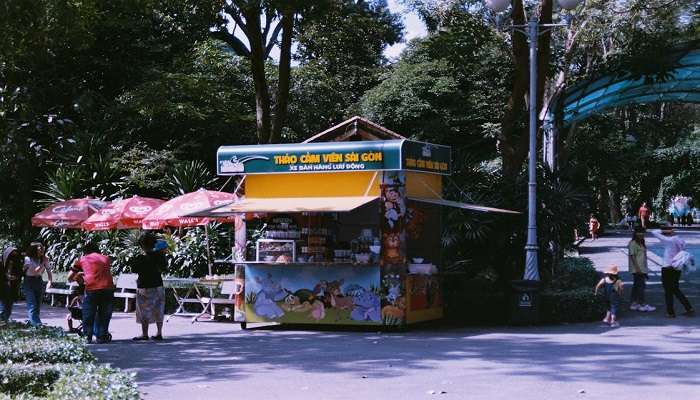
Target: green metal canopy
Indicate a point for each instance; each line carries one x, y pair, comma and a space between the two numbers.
591, 97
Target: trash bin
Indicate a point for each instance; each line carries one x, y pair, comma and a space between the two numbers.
525, 302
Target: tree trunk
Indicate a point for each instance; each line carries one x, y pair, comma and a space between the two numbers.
257, 67
614, 205
512, 162
282, 101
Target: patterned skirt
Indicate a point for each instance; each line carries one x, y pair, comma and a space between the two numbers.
150, 305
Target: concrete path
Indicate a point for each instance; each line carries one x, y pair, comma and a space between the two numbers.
649, 357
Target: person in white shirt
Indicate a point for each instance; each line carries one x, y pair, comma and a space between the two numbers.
35, 265
669, 275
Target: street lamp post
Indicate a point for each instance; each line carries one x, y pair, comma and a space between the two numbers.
532, 30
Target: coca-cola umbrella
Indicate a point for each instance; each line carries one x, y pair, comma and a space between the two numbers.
67, 214
174, 212
122, 214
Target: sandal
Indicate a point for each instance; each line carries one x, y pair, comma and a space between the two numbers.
140, 338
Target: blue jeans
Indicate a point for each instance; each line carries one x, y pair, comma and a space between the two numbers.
8, 300
33, 291
640, 283
97, 312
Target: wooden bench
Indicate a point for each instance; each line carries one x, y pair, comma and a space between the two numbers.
126, 282
67, 292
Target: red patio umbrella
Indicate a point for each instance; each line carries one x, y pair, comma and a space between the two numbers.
122, 214
67, 214
173, 212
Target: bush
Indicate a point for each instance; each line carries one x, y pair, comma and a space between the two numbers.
89, 381
42, 345
45, 363
27, 378
66, 382
574, 273
575, 305
474, 301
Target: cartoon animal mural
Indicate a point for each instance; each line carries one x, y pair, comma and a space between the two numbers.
393, 299
394, 207
303, 300
391, 245
309, 294
265, 301
336, 298
366, 306
393, 219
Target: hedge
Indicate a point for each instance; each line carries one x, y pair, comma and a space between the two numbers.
575, 305
45, 345
45, 363
568, 297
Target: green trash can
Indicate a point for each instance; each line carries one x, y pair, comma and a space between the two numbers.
525, 300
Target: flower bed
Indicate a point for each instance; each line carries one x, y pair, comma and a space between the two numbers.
45, 363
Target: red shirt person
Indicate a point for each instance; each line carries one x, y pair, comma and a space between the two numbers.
99, 292
644, 214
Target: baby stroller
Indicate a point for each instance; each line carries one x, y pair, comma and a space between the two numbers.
75, 307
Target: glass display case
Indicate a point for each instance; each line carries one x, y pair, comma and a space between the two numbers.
275, 251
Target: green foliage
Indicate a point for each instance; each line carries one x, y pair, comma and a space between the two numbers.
190, 176
340, 51
144, 171
189, 255
449, 87
96, 382
573, 305
187, 258
45, 363
574, 273
40, 345
569, 297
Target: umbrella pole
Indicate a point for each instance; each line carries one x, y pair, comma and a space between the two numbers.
206, 235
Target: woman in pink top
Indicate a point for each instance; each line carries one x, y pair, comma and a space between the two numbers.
99, 292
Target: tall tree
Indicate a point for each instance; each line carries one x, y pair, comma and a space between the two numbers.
261, 23
340, 51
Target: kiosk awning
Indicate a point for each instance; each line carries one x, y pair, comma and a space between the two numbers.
287, 204
464, 206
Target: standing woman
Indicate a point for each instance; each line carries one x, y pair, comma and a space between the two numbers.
35, 264
12, 268
150, 295
637, 259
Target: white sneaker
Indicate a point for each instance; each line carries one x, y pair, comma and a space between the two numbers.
647, 308
635, 307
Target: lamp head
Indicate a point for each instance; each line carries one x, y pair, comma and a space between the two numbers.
569, 4
497, 5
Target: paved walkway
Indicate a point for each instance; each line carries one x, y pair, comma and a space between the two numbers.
649, 357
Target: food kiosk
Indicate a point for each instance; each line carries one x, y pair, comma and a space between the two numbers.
343, 229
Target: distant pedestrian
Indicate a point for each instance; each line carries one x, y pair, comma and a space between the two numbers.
12, 267
611, 285
670, 276
637, 259
35, 265
644, 214
593, 227
94, 268
629, 218
150, 295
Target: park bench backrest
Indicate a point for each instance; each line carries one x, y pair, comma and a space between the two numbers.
228, 288
127, 281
